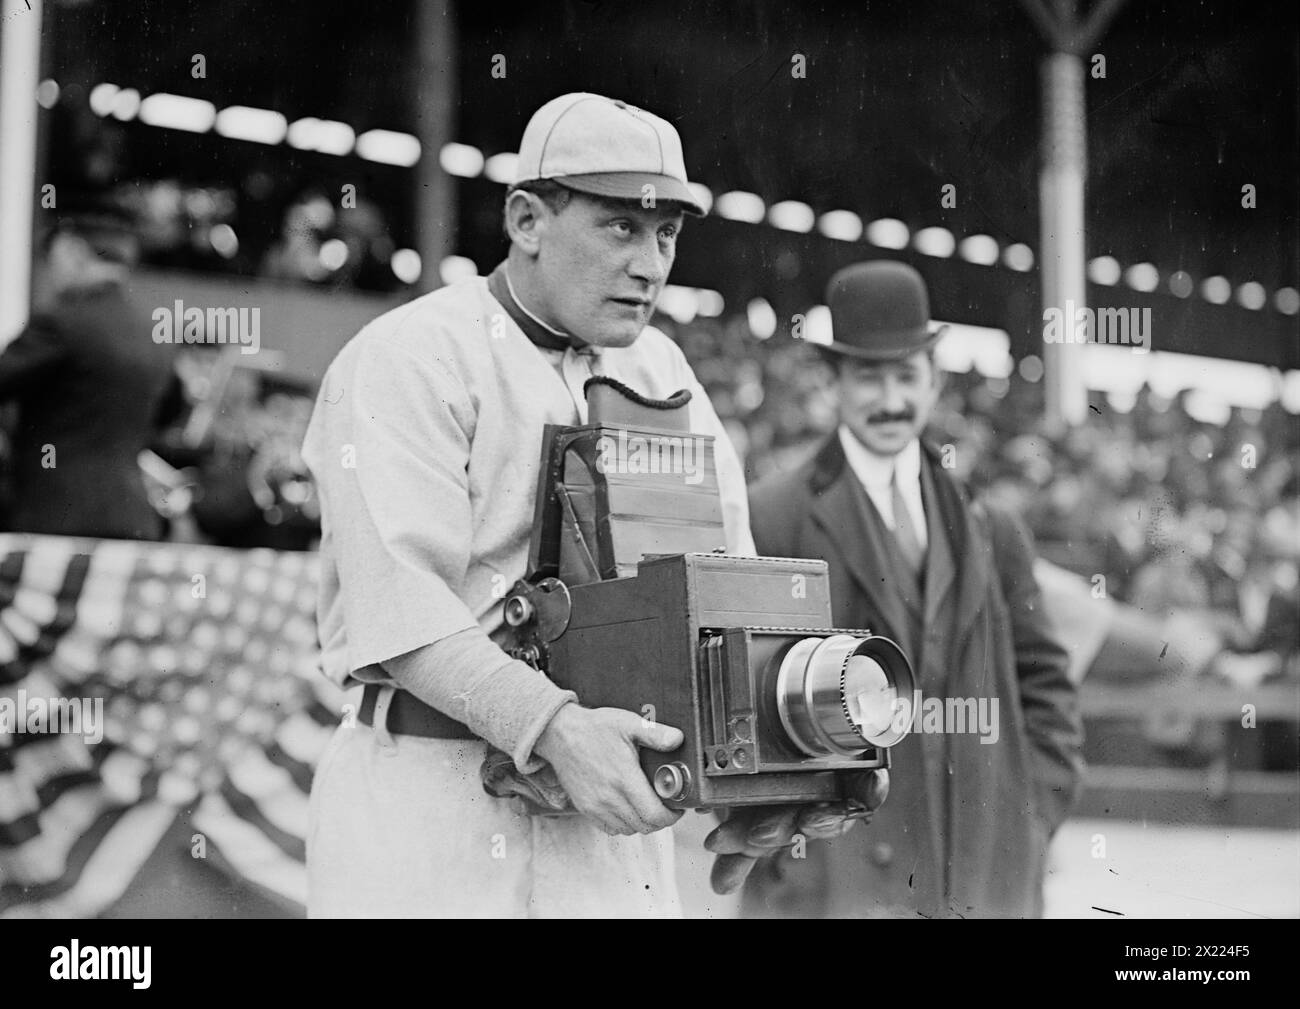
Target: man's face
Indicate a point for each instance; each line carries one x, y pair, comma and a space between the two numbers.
887, 405
602, 265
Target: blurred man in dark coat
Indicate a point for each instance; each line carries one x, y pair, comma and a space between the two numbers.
971, 806
90, 382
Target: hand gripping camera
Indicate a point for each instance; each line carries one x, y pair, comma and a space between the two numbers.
631, 602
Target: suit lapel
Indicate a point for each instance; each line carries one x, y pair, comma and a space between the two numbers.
972, 566
939, 569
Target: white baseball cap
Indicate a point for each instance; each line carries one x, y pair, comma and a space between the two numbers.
605, 147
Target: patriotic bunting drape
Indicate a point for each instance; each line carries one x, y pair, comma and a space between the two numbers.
203, 664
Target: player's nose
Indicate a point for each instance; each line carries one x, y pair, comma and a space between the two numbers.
648, 263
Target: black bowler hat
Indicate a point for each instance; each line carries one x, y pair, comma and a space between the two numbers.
880, 312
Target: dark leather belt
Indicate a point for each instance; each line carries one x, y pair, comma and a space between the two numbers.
410, 716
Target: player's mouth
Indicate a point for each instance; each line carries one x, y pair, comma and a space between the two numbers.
640, 304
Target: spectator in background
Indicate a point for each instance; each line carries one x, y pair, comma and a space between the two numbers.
364, 232
296, 254
913, 559
234, 447
345, 246
89, 382
253, 487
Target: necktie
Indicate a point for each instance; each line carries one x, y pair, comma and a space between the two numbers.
904, 530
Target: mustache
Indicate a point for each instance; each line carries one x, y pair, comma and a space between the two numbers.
886, 417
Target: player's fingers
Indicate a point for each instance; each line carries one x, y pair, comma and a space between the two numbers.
655, 736
729, 872
821, 821
651, 814
730, 837
615, 818
773, 830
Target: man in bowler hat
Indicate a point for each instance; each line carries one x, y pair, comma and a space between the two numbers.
972, 806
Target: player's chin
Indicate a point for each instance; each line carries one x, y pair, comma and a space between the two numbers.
614, 333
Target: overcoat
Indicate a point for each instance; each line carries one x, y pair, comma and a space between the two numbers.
965, 829
91, 384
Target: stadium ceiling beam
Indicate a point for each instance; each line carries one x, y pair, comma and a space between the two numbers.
1062, 27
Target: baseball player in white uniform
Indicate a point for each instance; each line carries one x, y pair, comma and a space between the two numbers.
425, 444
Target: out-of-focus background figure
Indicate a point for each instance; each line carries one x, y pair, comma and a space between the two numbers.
951, 580
88, 383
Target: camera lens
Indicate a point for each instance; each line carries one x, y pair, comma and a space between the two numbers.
839, 695
868, 695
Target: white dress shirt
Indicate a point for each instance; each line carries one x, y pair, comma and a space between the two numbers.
875, 472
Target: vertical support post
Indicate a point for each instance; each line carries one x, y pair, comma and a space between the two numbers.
20, 64
437, 96
1061, 246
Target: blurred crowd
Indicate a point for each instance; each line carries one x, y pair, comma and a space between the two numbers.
303, 221
317, 241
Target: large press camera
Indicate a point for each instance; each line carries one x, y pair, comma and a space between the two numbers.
632, 603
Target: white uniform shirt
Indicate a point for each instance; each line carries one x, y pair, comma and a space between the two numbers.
426, 443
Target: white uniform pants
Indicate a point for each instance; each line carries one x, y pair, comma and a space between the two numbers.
400, 826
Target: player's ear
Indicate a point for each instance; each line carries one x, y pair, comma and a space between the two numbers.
525, 220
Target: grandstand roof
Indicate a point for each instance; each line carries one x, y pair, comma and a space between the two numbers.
899, 100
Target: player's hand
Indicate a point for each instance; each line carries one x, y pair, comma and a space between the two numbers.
536, 794
594, 754
756, 832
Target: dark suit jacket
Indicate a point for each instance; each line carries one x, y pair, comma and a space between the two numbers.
89, 380
965, 828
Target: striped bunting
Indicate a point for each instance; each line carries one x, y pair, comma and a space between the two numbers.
195, 672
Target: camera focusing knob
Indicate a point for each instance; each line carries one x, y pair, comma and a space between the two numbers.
672, 781
539, 612
519, 611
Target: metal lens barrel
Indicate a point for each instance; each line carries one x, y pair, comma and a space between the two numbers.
841, 694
